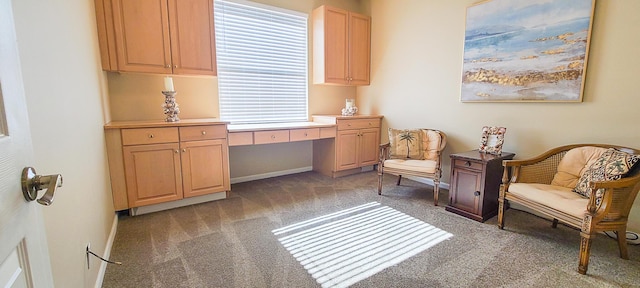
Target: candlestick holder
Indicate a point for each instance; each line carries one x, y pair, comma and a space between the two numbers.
170, 106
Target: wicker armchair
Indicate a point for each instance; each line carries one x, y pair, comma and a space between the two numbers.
610, 214
429, 167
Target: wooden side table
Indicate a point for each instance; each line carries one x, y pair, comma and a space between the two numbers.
475, 183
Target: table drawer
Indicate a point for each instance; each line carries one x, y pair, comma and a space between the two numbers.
149, 135
240, 138
358, 123
208, 132
328, 132
275, 136
466, 164
304, 134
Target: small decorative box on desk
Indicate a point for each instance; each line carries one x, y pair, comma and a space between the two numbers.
475, 182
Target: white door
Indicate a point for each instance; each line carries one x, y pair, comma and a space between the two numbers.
24, 258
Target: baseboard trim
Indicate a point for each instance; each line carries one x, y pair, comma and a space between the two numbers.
427, 181
107, 251
270, 174
177, 203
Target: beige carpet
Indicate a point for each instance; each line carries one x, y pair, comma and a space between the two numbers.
308, 230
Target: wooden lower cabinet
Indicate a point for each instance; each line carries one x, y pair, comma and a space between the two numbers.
204, 167
356, 145
153, 174
157, 163
357, 148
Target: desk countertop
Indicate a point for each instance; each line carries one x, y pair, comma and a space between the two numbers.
161, 123
276, 126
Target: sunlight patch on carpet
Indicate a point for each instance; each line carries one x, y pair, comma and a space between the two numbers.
342, 248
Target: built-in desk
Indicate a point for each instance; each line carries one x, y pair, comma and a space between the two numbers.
255, 134
342, 146
157, 165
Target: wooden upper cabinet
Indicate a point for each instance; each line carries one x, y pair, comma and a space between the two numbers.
106, 36
341, 47
359, 49
193, 38
142, 35
157, 36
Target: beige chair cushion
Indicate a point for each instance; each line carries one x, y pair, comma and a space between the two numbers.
557, 197
423, 166
431, 143
405, 144
573, 165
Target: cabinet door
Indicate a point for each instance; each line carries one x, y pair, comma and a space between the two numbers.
369, 146
205, 167
347, 149
336, 45
192, 37
465, 184
152, 173
359, 49
142, 35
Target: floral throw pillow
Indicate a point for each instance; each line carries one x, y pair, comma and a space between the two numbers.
612, 165
405, 144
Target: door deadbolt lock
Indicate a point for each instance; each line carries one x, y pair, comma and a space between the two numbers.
32, 183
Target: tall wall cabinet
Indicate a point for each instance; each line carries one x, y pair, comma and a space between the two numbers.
356, 144
157, 162
341, 47
157, 36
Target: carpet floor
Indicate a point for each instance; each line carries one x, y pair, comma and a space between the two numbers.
309, 230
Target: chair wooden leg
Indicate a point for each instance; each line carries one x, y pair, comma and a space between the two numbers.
500, 213
399, 178
501, 207
554, 224
379, 182
585, 251
436, 191
622, 243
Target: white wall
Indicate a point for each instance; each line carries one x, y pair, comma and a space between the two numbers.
63, 84
416, 69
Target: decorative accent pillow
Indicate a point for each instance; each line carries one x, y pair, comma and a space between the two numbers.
430, 143
612, 165
405, 144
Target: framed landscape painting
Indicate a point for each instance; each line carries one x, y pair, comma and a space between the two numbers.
526, 50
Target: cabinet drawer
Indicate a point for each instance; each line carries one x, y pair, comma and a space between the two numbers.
304, 134
240, 138
275, 136
208, 132
466, 164
358, 123
328, 132
149, 135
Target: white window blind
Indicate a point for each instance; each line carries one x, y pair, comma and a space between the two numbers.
262, 63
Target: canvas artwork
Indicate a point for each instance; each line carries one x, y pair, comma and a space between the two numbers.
526, 50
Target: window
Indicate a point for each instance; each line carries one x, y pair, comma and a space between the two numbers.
262, 63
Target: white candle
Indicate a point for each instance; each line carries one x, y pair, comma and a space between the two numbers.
168, 84
349, 103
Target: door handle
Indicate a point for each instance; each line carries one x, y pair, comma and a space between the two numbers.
32, 183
